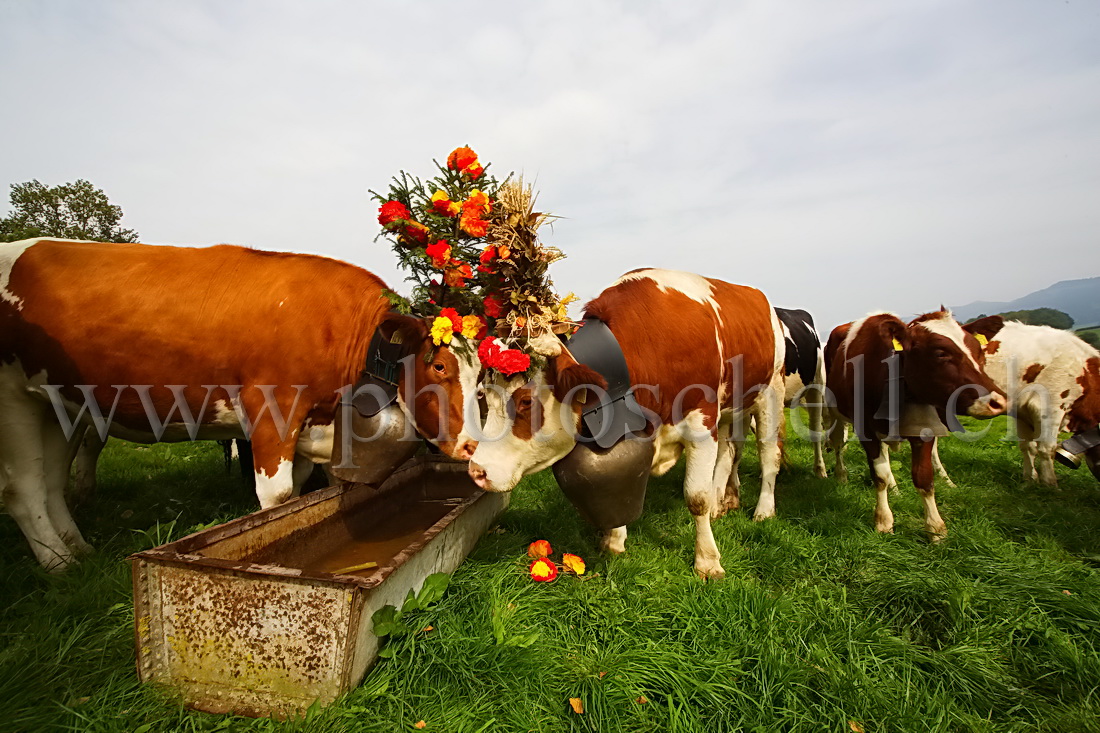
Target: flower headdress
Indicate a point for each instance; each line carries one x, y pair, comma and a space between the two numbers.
471, 247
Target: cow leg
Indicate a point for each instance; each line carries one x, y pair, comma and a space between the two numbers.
613, 540
937, 464
303, 469
727, 481
1046, 442
922, 479
878, 460
888, 470
815, 411
769, 423
1025, 435
723, 470
57, 457
87, 457
702, 455
838, 438
23, 478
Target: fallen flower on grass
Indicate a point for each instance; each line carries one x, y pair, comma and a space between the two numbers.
420, 725
642, 700
543, 570
539, 548
577, 705
573, 563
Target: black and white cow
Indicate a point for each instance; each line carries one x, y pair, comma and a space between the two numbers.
804, 366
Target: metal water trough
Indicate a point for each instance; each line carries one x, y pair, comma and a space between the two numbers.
250, 618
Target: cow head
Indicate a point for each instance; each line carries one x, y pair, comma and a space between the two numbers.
944, 365
530, 424
437, 387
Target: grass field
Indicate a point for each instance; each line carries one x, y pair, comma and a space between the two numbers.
820, 625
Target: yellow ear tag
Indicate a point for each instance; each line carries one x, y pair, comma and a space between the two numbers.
897, 346
397, 338
981, 338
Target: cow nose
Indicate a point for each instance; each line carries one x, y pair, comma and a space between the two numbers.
478, 475
996, 404
466, 450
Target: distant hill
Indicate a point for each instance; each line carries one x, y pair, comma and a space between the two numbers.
1079, 298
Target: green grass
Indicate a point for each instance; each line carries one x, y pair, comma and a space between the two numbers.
819, 622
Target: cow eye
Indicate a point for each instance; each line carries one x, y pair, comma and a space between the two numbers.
943, 354
438, 366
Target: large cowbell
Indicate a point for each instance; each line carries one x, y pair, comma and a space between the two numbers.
1085, 443
605, 475
372, 435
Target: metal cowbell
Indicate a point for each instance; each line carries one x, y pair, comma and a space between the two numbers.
368, 449
607, 486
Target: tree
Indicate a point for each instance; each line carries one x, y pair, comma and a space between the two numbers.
76, 210
1039, 317
1092, 338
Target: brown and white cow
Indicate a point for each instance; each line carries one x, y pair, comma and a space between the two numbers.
1052, 380
240, 338
941, 368
704, 356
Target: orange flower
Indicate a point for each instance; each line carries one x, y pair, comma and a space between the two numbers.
472, 326
543, 570
539, 548
477, 202
457, 273
440, 252
472, 225
573, 563
474, 170
442, 205
461, 158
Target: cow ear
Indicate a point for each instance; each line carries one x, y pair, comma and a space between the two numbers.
987, 327
893, 332
397, 328
566, 375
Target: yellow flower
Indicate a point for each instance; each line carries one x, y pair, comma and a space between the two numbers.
442, 331
573, 563
471, 326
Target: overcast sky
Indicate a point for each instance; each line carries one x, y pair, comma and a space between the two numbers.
842, 156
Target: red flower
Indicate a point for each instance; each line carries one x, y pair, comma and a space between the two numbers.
488, 255
493, 306
440, 252
539, 548
461, 158
487, 351
457, 273
392, 212
543, 570
512, 361
416, 231
474, 170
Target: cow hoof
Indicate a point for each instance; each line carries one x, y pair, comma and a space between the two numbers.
938, 535
884, 528
709, 570
821, 472
760, 516
611, 543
